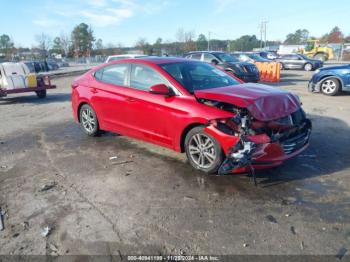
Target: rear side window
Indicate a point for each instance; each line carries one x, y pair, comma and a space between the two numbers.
114, 74
209, 57
196, 56
143, 77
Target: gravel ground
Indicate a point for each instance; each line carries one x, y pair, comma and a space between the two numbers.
150, 201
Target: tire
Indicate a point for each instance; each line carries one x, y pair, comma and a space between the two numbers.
321, 57
206, 159
41, 94
89, 121
330, 86
308, 67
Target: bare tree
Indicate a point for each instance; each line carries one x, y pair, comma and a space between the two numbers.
66, 43
44, 44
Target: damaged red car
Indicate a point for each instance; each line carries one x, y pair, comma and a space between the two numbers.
223, 125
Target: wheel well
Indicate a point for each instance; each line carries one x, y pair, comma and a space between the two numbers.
184, 134
78, 112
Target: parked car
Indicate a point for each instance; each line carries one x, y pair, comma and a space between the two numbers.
120, 57
268, 55
52, 65
298, 61
37, 66
249, 57
331, 80
190, 106
245, 71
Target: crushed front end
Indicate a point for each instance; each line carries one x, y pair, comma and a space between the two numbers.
252, 144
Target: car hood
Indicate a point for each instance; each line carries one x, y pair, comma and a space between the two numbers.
335, 67
265, 103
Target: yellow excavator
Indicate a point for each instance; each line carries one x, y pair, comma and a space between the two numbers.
318, 51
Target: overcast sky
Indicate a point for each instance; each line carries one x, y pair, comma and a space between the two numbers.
124, 21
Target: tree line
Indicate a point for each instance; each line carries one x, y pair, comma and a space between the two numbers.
81, 42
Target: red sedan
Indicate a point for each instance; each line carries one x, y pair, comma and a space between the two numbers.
222, 124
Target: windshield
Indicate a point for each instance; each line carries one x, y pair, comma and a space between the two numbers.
255, 57
198, 76
226, 58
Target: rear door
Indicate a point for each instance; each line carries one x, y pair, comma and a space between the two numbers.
109, 97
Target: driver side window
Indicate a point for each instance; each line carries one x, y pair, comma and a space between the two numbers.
143, 77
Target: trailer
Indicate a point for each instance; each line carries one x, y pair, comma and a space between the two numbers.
40, 89
16, 78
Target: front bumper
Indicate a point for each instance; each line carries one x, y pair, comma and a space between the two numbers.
314, 88
265, 153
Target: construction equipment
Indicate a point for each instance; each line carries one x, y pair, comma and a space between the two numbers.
318, 51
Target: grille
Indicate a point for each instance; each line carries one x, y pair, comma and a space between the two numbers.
295, 143
251, 68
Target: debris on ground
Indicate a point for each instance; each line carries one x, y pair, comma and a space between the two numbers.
15, 235
127, 174
292, 229
2, 213
25, 225
54, 250
271, 218
46, 231
287, 215
302, 246
113, 158
2, 142
48, 186
245, 245
189, 198
341, 253
121, 163
3, 167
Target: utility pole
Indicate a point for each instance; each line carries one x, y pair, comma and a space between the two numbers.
209, 40
265, 23
261, 35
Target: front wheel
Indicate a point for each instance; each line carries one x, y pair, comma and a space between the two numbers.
88, 120
203, 151
41, 94
330, 87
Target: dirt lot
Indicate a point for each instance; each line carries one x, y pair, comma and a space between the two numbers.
155, 203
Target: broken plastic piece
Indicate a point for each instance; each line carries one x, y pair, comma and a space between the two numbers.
2, 227
48, 186
46, 231
239, 156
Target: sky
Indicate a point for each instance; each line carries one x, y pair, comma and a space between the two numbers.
125, 21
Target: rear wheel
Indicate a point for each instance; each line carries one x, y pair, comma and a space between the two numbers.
88, 120
308, 67
321, 57
203, 151
41, 94
330, 86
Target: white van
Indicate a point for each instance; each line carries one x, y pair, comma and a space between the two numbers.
13, 76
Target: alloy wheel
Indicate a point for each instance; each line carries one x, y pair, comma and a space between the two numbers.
202, 151
328, 86
88, 120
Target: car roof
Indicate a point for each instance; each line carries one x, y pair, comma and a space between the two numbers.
158, 60
211, 52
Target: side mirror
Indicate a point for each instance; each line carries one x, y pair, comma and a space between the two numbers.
160, 89
215, 62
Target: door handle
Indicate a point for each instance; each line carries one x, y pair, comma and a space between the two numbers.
94, 90
131, 100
